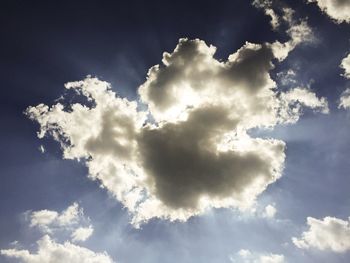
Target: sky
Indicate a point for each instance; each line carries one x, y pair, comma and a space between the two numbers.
184, 131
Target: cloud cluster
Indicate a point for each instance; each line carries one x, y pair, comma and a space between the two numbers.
328, 234
191, 149
338, 10
246, 256
51, 251
71, 219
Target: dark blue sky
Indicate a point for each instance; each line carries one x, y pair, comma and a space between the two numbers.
45, 45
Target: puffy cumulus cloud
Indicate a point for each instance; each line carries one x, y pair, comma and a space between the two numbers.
246, 256
344, 101
338, 10
345, 64
328, 234
190, 150
48, 220
50, 251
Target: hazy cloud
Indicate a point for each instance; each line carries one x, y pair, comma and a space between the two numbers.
270, 211
328, 234
247, 256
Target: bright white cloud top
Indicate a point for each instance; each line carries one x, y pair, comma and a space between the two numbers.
338, 10
190, 150
51, 251
328, 234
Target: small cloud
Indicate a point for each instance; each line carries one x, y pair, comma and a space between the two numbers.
41, 149
247, 256
270, 211
345, 64
82, 233
344, 101
330, 233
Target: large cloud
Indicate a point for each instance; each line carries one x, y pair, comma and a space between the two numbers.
51, 251
191, 149
338, 10
328, 234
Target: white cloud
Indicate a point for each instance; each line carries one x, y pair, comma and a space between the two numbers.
48, 220
270, 211
345, 64
82, 233
328, 234
338, 10
267, 6
246, 256
196, 152
295, 99
51, 252
344, 101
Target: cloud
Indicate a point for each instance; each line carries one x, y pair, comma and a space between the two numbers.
190, 150
51, 252
267, 6
48, 220
82, 233
337, 10
344, 101
345, 64
328, 234
270, 211
246, 256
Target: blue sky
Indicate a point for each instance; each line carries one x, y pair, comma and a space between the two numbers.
190, 208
